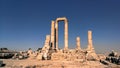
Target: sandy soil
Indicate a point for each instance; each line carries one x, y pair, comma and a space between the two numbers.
27, 63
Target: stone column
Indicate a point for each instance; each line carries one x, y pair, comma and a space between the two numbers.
90, 44
66, 35
65, 32
78, 43
53, 34
47, 43
56, 28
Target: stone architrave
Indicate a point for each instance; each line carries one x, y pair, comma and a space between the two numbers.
78, 43
65, 32
53, 34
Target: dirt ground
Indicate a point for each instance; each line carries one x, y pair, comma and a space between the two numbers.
28, 63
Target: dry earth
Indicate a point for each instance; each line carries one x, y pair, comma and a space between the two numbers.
54, 64
51, 64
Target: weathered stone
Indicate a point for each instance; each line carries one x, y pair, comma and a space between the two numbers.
71, 55
39, 56
30, 51
91, 56
66, 54
47, 43
90, 44
78, 43
101, 56
32, 56
53, 34
65, 33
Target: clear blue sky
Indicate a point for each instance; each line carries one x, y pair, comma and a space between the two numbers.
25, 23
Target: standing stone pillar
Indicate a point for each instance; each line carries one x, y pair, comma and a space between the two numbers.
90, 44
78, 43
66, 35
53, 34
56, 28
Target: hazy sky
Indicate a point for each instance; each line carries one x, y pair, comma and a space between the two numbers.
25, 23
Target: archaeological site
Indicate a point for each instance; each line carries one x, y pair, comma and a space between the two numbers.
51, 47
51, 56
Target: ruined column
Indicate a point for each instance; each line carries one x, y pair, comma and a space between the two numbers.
53, 34
56, 28
78, 43
90, 44
66, 35
48, 39
47, 43
65, 32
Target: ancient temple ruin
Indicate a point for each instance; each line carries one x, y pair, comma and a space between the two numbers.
51, 46
54, 33
65, 57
